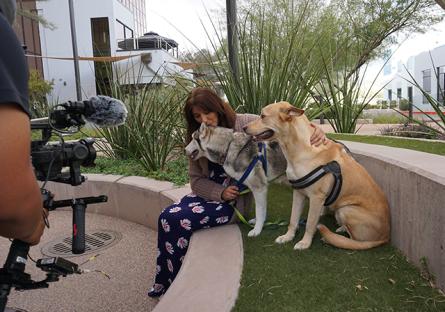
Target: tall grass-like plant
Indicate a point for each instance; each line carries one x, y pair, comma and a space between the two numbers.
343, 90
154, 127
158, 125
278, 56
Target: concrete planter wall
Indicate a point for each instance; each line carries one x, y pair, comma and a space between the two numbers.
414, 183
135, 199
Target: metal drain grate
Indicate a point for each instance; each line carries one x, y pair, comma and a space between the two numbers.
99, 240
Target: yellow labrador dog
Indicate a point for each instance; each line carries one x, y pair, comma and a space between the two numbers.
328, 176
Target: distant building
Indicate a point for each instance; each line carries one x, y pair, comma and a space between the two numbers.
137, 8
156, 62
104, 28
428, 70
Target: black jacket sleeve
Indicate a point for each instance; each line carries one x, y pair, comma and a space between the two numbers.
13, 68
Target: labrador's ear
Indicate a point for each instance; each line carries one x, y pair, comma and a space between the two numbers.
294, 111
288, 113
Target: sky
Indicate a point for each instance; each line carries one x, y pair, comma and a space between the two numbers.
410, 46
418, 43
181, 20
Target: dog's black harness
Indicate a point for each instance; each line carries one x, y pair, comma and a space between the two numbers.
316, 174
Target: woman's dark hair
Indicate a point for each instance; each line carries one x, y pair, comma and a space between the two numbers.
207, 100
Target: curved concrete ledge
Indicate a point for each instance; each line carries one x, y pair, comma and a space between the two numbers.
209, 278
414, 183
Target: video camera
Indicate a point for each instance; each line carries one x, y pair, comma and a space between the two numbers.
49, 160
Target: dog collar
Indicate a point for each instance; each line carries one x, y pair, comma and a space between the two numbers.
316, 174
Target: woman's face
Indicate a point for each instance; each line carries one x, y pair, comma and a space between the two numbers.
209, 118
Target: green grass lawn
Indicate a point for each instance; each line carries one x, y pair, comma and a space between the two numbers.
323, 278
418, 145
175, 171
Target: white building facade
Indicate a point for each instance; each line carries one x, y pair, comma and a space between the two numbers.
427, 69
100, 26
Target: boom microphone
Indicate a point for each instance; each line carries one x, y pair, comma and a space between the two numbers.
100, 110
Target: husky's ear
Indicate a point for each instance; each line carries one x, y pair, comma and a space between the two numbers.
288, 113
204, 129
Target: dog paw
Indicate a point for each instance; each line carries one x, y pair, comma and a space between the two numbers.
252, 221
302, 245
253, 233
283, 239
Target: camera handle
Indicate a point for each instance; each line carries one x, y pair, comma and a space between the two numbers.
79, 206
13, 272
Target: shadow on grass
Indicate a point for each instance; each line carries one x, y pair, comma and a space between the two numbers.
323, 278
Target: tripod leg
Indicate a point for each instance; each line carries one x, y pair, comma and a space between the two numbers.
15, 263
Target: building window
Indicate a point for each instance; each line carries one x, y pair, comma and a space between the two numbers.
441, 85
399, 93
390, 95
426, 84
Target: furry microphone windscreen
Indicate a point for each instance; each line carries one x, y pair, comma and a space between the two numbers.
106, 111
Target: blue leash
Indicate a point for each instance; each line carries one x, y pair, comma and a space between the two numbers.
261, 156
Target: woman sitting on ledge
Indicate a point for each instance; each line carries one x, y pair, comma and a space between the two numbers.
208, 205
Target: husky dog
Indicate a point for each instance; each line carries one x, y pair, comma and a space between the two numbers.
235, 151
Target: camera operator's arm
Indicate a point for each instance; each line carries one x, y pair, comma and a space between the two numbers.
20, 200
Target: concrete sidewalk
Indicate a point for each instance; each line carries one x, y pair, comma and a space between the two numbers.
130, 263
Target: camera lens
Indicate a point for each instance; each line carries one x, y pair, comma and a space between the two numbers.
80, 151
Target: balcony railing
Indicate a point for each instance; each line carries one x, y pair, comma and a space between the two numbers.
134, 44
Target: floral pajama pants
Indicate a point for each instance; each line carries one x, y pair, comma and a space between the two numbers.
175, 227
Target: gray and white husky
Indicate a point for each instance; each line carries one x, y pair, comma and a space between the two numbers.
234, 151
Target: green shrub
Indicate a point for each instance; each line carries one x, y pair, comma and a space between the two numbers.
410, 131
175, 171
389, 119
404, 105
38, 90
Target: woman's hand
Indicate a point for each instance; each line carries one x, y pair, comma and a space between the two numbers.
318, 137
230, 193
